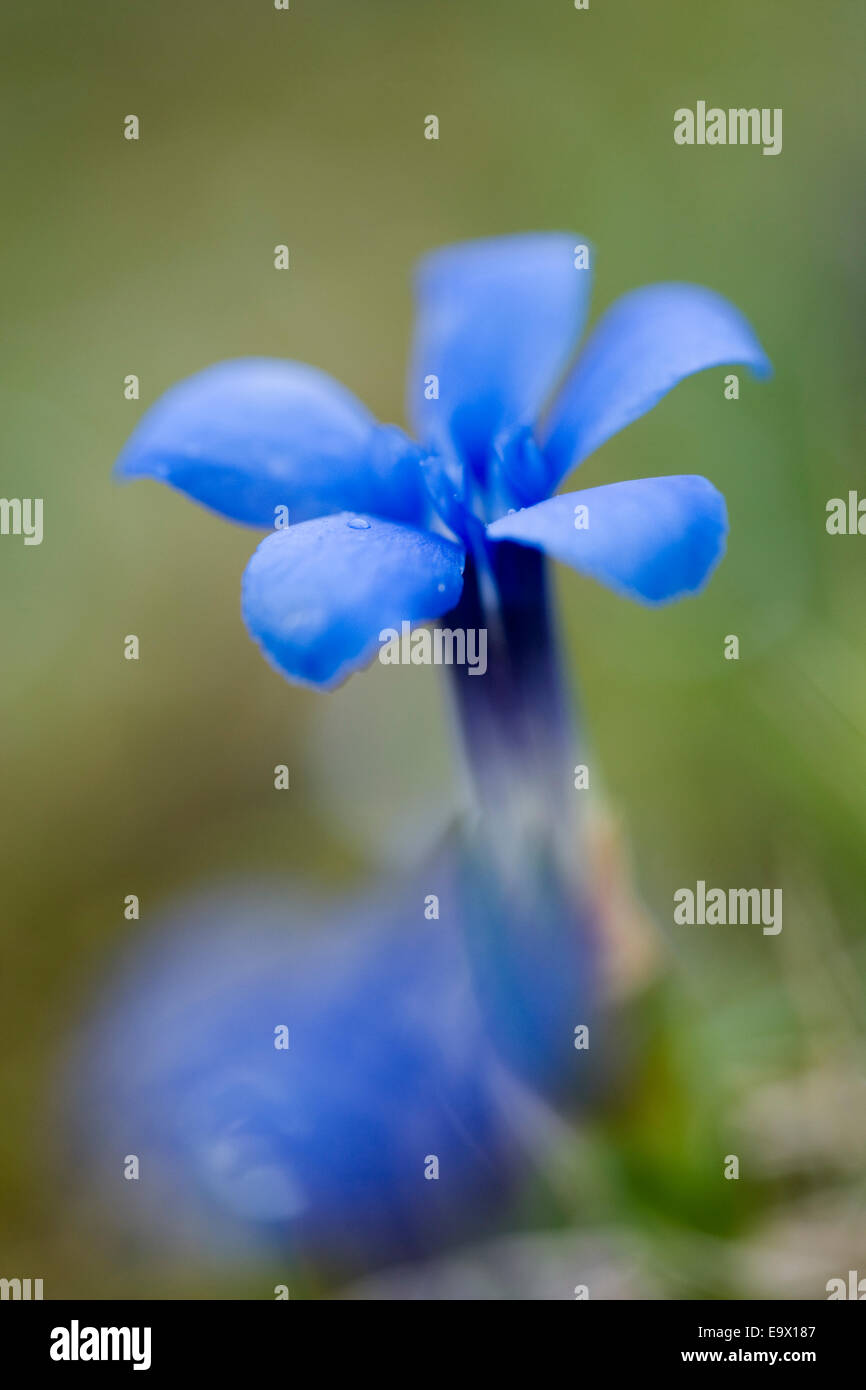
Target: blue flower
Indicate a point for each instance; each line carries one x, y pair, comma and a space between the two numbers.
405, 1043
383, 527
320, 1146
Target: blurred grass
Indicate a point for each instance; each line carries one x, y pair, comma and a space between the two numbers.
156, 258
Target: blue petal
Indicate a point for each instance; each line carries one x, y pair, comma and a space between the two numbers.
656, 539
497, 322
644, 345
248, 436
316, 596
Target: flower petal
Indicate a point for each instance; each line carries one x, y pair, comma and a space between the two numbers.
645, 344
247, 436
316, 596
497, 321
655, 539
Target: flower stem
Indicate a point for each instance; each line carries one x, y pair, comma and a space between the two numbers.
516, 727
523, 900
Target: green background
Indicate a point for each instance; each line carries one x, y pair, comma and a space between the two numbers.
260, 127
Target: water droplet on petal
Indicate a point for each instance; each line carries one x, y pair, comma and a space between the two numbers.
358, 523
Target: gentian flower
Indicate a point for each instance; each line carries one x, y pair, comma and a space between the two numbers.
382, 527
408, 1041
318, 1147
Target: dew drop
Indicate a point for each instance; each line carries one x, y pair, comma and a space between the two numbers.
358, 523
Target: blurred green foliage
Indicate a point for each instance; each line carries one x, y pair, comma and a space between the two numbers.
306, 127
